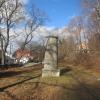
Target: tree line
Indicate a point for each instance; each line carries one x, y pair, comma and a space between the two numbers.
12, 13
83, 41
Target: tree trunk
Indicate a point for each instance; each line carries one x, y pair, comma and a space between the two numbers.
3, 58
2, 53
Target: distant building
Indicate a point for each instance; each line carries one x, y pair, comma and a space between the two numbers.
9, 58
84, 47
25, 55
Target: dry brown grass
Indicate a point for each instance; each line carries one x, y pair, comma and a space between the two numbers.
77, 84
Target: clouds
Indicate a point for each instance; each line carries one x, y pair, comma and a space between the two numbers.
44, 31
25, 1
40, 32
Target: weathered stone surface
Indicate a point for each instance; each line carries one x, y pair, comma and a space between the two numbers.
51, 58
50, 73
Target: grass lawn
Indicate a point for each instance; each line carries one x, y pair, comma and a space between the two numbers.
26, 84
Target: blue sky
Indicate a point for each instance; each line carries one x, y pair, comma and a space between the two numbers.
58, 11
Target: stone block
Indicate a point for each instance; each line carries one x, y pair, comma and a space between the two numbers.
50, 72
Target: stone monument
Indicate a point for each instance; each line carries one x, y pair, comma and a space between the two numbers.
51, 58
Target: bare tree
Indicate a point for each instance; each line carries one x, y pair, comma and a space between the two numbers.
11, 14
34, 19
75, 27
2, 2
92, 11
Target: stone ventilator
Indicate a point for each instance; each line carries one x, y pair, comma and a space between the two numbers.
51, 58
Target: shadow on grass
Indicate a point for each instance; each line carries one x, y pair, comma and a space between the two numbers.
63, 70
86, 92
6, 66
79, 92
5, 74
2, 89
